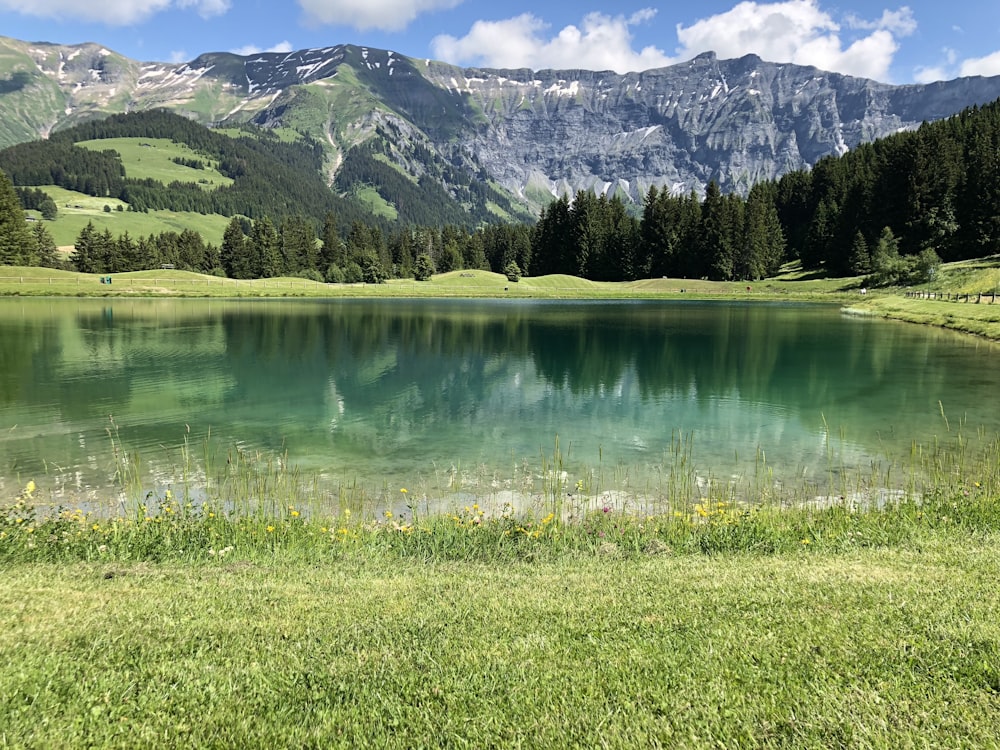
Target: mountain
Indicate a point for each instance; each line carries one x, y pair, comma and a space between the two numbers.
502, 142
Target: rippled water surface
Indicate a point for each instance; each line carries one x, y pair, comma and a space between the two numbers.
390, 390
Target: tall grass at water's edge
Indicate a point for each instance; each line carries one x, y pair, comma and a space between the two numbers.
250, 505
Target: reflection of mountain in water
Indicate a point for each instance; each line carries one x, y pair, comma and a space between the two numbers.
384, 386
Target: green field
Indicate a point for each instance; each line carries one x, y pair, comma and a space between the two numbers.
793, 284
376, 203
699, 625
75, 210
142, 158
150, 158
868, 649
42, 281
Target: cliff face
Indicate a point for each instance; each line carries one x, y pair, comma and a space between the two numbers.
538, 134
735, 121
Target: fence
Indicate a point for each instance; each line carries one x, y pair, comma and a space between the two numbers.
147, 282
978, 298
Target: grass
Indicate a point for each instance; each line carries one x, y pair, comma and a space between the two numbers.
977, 319
24, 281
378, 205
872, 629
76, 210
867, 649
152, 158
970, 277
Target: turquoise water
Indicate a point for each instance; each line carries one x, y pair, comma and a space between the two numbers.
394, 391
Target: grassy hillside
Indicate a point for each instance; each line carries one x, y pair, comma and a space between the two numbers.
152, 158
77, 209
952, 300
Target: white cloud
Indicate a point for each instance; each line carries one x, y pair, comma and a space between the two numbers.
110, 12
797, 31
179, 56
899, 22
253, 49
601, 43
206, 8
949, 68
981, 66
384, 15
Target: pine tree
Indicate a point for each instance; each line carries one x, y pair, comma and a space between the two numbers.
886, 263
760, 247
83, 256
45, 247
331, 248
233, 254
265, 249
190, 250
716, 235
861, 260
552, 240
106, 258
15, 239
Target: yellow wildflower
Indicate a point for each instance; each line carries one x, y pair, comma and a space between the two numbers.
29, 487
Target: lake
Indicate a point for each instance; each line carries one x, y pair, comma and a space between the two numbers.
404, 393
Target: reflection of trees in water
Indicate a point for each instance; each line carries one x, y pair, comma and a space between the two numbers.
405, 369
409, 371
410, 365
27, 347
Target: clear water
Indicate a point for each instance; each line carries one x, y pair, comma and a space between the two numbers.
389, 391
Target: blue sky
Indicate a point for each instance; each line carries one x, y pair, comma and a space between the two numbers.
923, 40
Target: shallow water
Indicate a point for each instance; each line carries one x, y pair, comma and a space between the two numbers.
396, 392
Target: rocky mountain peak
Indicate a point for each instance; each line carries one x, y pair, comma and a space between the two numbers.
539, 134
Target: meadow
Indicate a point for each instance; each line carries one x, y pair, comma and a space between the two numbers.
264, 612
30, 281
76, 210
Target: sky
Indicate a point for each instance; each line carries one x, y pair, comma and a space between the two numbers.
919, 42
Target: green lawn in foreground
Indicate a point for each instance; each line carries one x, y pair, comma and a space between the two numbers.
701, 624
880, 648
